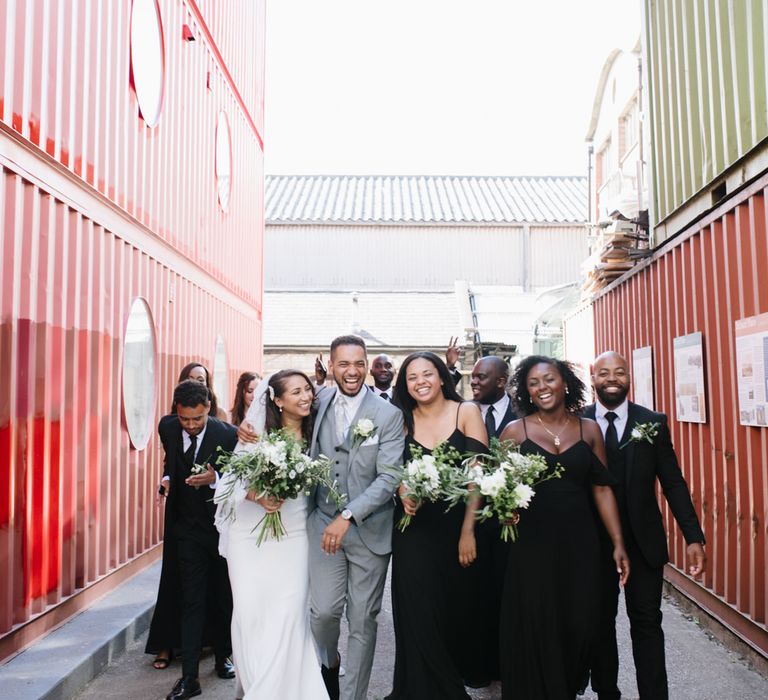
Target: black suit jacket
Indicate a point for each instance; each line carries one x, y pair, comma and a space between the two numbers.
645, 463
217, 433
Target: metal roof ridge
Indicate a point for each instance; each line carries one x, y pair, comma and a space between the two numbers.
432, 176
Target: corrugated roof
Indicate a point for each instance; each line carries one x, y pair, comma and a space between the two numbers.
384, 319
424, 199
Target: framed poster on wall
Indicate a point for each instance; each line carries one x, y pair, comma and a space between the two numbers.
642, 376
690, 396
752, 369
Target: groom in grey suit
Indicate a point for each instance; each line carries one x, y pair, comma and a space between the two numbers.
349, 548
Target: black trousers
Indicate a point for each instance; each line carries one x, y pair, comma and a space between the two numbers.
643, 600
201, 568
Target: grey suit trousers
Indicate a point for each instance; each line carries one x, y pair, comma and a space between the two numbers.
355, 575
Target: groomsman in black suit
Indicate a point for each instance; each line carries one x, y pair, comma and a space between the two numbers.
191, 436
490, 376
489, 380
383, 372
637, 464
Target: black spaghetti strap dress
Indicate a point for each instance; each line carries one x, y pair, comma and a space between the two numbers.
433, 598
551, 603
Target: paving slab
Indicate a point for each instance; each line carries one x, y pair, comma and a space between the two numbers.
699, 667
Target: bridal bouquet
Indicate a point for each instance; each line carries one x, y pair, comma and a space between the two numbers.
506, 479
276, 467
431, 477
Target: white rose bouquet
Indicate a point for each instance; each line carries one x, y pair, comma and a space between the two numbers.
277, 467
506, 479
431, 477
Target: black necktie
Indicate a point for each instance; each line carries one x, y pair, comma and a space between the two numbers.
611, 436
189, 455
490, 422
384, 395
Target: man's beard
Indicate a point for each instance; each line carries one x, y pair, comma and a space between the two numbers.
612, 400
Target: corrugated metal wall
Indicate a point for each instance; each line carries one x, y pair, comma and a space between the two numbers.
704, 281
422, 257
707, 73
96, 210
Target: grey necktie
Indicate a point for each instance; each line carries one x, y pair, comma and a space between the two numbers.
342, 420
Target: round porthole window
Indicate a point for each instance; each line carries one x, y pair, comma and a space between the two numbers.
223, 161
221, 373
139, 374
148, 59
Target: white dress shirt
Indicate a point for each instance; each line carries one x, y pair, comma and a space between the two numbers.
379, 392
346, 408
499, 408
622, 413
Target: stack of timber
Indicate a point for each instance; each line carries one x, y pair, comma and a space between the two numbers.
611, 258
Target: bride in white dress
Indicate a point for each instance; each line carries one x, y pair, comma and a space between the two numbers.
272, 646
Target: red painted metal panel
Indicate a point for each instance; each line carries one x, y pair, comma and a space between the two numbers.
704, 281
96, 210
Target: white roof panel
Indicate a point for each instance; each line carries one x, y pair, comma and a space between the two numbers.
428, 199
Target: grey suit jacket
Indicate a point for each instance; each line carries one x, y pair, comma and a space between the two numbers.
368, 472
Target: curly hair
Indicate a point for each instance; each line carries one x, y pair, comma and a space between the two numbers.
405, 402
238, 410
574, 387
274, 421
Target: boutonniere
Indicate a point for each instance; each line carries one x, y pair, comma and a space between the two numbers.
364, 428
643, 432
197, 470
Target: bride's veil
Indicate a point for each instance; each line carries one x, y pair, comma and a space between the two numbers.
229, 492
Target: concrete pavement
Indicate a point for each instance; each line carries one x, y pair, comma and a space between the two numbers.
699, 667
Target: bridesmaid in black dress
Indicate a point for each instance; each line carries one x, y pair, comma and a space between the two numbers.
551, 592
435, 590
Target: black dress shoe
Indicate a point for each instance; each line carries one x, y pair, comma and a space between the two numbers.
331, 680
225, 668
186, 687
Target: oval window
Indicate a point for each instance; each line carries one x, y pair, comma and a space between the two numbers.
139, 374
148, 59
223, 161
221, 374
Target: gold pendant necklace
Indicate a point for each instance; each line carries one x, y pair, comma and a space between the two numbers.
555, 438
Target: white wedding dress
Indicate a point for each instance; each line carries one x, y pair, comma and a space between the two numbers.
272, 646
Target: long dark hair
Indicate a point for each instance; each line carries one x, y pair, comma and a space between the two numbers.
574, 387
238, 406
406, 402
273, 420
184, 374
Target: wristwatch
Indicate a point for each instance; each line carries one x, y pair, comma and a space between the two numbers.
347, 515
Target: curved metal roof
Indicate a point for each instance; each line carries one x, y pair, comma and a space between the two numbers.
424, 199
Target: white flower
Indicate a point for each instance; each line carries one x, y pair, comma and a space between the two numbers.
364, 428
636, 434
292, 474
476, 473
518, 460
523, 495
491, 484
